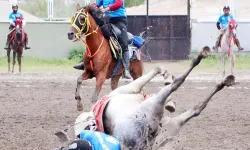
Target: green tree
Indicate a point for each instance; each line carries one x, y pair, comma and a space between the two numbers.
37, 8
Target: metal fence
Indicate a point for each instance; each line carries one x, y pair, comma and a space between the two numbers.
169, 37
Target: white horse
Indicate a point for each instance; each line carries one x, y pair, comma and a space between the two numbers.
227, 46
139, 123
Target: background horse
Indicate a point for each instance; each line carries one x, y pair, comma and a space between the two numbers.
227, 45
16, 44
98, 60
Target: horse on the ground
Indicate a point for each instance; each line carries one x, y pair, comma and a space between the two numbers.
17, 41
137, 122
98, 59
227, 46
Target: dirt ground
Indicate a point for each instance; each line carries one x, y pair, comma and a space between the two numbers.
36, 105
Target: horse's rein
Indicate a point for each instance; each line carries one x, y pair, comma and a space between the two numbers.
10, 32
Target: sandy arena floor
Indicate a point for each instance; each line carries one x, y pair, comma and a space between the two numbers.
36, 105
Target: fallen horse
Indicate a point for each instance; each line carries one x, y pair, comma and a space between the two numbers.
138, 123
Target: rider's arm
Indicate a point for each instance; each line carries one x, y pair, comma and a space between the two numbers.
11, 19
118, 4
99, 3
218, 23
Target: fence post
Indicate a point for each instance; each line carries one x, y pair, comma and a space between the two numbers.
50, 9
188, 26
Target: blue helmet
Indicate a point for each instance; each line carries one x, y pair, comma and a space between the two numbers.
226, 8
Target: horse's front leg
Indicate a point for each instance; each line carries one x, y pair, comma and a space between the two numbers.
14, 61
8, 55
84, 76
19, 59
232, 59
115, 81
100, 79
223, 64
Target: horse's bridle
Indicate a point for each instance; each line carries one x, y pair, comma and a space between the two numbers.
82, 28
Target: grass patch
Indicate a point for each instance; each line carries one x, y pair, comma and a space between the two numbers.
242, 62
34, 64
131, 3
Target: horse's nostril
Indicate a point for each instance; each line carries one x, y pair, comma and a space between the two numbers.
71, 33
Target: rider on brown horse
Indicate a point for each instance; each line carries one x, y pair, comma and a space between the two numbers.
222, 24
116, 11
12, 17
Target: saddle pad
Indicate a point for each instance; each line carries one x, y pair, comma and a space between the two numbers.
134, 53
98, 111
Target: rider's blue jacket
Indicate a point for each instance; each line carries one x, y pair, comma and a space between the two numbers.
100, 141
117, 8
13, 16
224, 20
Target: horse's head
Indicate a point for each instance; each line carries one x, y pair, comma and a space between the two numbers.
232, 26
81, 23
18, 24
18, 29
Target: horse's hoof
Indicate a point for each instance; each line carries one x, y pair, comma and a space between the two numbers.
229, 80
168, 79
204, 52
80, 107
170, 106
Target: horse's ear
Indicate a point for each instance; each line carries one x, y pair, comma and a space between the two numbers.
78, 7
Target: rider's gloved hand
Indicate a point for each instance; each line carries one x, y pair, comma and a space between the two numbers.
12, 23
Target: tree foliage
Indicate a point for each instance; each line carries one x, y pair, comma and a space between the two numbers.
39, 8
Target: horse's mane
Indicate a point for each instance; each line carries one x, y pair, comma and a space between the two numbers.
97, 15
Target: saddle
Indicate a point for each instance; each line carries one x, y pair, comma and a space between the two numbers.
112, 34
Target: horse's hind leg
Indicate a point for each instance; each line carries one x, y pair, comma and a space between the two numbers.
223, 64
231, 63
19, 59
171, 126
77, 93
137, 85
136, 69
100, 79
14, 61
8, 55
115, 81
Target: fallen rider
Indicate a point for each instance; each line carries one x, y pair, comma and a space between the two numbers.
93, 140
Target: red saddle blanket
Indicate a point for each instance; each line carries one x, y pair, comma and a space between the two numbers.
98, 110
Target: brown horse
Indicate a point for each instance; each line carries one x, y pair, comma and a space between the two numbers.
17, 38
98, 60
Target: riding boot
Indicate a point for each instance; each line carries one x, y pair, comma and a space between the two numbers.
79, 66
7, 44
125, 62
237, 42
217, 43
26, 42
